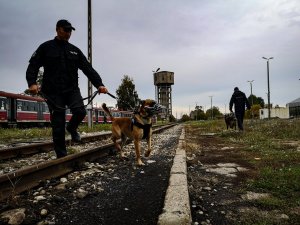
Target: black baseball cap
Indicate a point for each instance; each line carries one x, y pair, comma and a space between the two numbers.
64, 24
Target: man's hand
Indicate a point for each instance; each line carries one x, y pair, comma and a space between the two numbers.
34, 89
102, 89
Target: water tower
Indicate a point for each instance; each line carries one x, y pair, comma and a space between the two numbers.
163, 81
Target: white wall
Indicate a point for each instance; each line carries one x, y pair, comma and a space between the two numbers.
282, 113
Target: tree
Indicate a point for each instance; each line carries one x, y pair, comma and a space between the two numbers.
172, 118
215, 112
198, 114
256, 100
126, 94
255, 110
185, 118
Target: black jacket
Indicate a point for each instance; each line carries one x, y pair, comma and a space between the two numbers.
61, 61
239, 100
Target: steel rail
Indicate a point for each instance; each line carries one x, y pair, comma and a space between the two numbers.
47, 146
31, 149
24, 179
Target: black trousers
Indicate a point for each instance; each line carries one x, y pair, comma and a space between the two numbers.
240, 119
57, 107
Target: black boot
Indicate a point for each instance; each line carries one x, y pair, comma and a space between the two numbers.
74, 134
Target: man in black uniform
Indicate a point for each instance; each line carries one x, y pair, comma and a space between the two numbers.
239, 100
61, 61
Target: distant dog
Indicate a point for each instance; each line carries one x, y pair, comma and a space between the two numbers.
230, 120
135, 128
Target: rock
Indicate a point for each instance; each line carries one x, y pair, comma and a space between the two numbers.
284, 216
44, 222
14, 216
80, 193
42, 192
63, 180
254, 196
44, 212
39, 198
57, 198
207, 188
60, 187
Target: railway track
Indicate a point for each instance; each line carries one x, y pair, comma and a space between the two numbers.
24, 179
46, 146
30, 149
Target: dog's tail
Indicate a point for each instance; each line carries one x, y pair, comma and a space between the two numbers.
106, 110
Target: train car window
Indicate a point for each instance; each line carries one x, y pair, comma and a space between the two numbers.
32, 106
117, 114
25, 106
19, 105
3, 103
45, 108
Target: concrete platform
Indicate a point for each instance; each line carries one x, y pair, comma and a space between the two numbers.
176, 209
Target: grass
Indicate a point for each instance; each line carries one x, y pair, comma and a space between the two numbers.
282, 182
15, 134
273, 148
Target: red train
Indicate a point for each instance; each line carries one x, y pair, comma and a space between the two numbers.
18, 110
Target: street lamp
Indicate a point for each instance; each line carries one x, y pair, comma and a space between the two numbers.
196, 110
250, 81
211, 109
269, 110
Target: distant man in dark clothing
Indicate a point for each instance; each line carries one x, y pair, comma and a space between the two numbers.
61, 61
240, 101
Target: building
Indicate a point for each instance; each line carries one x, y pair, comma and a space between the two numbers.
294, 108
278, 112
163, 82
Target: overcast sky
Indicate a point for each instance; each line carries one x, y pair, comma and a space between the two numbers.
210, 45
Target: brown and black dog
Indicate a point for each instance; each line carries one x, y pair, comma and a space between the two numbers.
135, 128
230, 120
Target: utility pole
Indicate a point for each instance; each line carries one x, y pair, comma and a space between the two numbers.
269, 110
90, 86
196, 110
211, 109
250, 81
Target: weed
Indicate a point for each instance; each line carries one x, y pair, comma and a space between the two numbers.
272, 148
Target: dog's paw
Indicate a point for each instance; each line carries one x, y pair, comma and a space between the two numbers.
147, 153
139, 162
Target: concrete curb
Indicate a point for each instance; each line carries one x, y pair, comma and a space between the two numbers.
176, 209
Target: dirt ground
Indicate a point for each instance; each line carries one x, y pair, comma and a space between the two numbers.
218, 193
117, 192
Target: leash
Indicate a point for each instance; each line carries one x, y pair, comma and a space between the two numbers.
90, 99
111, 95
94, 95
